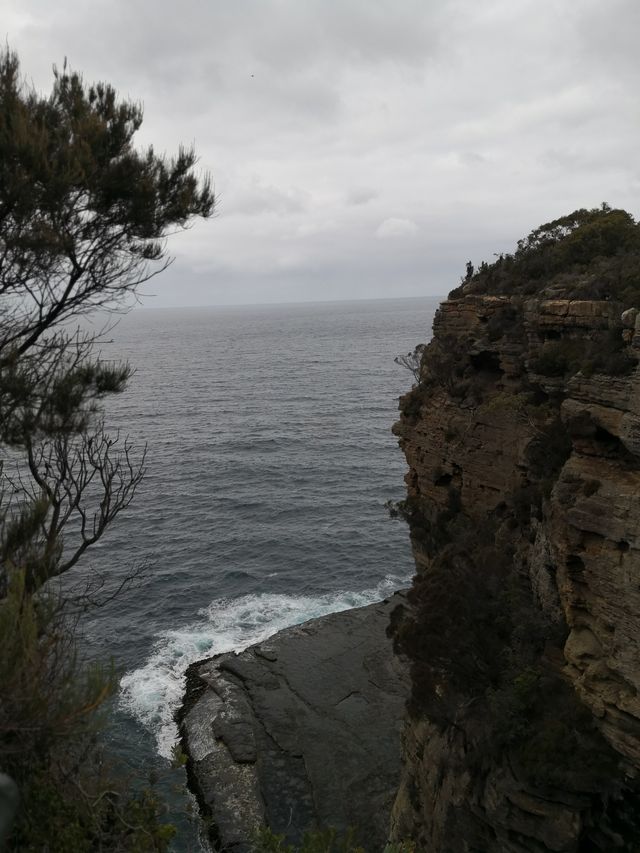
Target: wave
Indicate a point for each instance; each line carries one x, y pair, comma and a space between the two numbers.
153, 692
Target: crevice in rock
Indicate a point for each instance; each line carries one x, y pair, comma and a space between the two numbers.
487, 362
575, 565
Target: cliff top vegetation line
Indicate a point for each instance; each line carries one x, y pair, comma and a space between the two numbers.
588, 254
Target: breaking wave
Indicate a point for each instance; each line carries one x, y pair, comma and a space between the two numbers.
153, 692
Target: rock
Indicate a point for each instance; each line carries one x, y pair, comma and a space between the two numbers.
9, 802
300, 731
480, 452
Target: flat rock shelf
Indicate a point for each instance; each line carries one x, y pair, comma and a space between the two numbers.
300, 731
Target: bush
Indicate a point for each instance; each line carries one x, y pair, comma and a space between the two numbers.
321, 841
458, 628
550, 735
412, 361
411, 404
50, 718
588, 254
547, 453
601, 353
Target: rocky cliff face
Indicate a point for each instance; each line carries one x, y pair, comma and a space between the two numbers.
523, 444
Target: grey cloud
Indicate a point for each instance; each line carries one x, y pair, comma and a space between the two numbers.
471, 158
257, 197
361, 195
325, 121
608, 35
395, 227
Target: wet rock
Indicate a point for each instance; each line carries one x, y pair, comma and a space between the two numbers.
300, 731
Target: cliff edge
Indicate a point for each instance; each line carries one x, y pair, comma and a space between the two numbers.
522, 437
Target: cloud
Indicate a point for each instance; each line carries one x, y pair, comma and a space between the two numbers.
317, 120
361, 195
394, 227
253, 197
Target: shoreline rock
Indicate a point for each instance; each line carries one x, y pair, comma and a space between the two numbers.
300, 731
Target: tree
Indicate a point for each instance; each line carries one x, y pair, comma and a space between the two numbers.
412, 361
84, 217
83, 221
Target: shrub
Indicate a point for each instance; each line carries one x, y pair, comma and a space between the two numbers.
457, 631
71, 800
550, 735
320, 841
588, 254
411, 403
603, 352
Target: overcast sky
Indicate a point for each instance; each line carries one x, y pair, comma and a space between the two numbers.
361, 148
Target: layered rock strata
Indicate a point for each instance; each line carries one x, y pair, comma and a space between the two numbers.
540, 458
300, 731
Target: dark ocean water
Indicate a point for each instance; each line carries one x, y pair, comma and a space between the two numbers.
270, 459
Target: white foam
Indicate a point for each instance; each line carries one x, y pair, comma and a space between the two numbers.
152, 692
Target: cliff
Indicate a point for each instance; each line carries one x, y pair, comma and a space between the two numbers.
301, 731
522, 438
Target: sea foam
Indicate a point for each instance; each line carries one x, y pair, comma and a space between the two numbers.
153, 692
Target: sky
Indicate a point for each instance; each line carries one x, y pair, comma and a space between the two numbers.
360, 148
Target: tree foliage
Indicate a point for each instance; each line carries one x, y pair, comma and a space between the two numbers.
83, 213
320, 841
587, 254
83, 221
84, 218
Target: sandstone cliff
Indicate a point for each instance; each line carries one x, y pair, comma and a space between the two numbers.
522, 438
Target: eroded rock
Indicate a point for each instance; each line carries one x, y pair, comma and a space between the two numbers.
300, 731
547, 457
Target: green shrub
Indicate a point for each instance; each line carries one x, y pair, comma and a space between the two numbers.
588, 254
550, 735
547, 452
601, 353
50, 717
458, 628
411, 403
320, 841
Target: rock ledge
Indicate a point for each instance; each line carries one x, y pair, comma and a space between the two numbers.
299, 731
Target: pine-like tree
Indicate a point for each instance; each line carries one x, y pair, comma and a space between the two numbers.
84, 217
83, 221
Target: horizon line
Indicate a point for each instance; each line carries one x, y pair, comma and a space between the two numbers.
142, 306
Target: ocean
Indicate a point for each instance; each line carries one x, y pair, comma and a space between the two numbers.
269, 461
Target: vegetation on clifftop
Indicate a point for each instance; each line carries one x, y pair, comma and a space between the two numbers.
588, 254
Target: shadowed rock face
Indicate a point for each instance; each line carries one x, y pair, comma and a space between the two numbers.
9, 802
302, 730
509, 434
